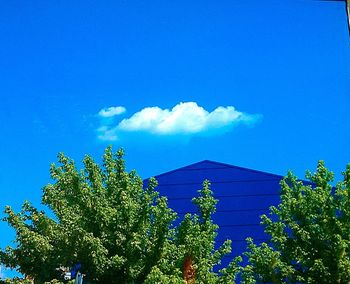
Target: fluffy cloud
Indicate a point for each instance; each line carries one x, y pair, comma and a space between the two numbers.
186, 118
111, 111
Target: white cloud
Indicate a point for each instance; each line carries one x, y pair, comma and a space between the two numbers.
185, 118
111, 111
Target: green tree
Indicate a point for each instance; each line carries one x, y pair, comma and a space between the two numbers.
194, 240
104, 219
310, 233
118, 230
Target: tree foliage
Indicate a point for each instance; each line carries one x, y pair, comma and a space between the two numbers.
118, 230
194, 240
310, 233
123, 232
104, 219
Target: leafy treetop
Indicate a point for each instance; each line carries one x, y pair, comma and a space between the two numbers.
310, 233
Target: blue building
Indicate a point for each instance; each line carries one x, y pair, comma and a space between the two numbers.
243, 194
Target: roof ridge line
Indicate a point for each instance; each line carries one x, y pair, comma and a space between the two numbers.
221, 164
181, 168
243, 168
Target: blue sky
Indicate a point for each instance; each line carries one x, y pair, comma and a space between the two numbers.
258, 84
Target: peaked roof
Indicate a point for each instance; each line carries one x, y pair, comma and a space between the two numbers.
212, 165
243, 194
